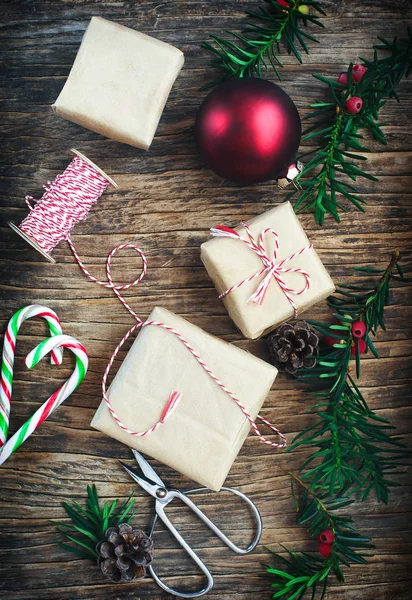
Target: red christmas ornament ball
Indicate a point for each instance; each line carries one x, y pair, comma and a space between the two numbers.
248, 130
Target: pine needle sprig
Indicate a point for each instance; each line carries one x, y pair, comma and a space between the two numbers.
250, 52
354, 448
307, 573
369, 304
90, 524
330, 174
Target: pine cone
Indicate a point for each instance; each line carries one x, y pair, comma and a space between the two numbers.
292, 346
125, 553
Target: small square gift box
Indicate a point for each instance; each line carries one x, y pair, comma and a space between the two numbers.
211, 384
119, 83
266, 271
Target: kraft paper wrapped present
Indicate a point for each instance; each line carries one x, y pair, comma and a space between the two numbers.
204, 433
119, 83
230, 262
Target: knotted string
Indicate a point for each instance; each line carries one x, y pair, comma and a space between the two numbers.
271, 269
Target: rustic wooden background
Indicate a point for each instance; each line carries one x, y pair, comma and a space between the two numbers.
166, 202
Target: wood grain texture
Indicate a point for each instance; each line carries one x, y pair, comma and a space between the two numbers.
166, 202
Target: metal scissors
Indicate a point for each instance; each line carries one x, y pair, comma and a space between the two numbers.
152, 484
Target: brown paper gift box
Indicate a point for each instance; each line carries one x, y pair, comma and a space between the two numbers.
206, 430
229, 261
119, 83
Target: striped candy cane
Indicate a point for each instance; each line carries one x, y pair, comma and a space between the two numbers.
10, 338
75, 379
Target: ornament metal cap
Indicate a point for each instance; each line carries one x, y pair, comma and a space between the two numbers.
293, 171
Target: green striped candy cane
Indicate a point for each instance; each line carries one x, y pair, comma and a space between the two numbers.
58, 397
9, 347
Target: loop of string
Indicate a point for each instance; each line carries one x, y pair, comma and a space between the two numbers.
271, 268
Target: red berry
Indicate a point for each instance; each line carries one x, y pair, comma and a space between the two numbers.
362, 347
358, 329
283, 3
326, 536
343, 78
325, 549
354, 105
358, 72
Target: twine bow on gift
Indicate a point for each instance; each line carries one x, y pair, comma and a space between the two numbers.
271, 268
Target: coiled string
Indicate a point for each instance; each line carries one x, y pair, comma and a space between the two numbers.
66, 201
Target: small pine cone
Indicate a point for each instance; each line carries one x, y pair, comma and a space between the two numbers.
292, 346
125, 553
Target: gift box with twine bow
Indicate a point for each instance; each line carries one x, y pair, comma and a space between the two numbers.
266, 271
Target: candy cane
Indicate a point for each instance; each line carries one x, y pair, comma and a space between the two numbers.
59, 396
10, 338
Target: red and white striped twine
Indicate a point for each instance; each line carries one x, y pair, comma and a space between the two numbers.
67, 201
270, 267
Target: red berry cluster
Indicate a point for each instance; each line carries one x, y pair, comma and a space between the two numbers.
358, 330
354, 103
326, 539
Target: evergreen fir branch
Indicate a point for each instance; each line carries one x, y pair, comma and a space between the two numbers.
89, 525
335, 164
250, 52
369, 305
309, 574
354, 448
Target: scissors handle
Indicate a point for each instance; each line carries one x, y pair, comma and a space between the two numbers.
214, 528
161, 514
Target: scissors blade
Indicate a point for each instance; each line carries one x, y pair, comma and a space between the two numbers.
147, 469
150, 488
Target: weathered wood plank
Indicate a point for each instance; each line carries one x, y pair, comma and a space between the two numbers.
166, 202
